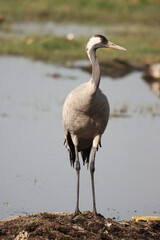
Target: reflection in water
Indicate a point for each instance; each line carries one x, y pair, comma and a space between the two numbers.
155, 86
35, 173
117, 68
152, 77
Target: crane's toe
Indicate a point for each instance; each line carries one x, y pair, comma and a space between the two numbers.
97, 215
76, 213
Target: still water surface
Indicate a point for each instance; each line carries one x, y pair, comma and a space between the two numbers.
35, 173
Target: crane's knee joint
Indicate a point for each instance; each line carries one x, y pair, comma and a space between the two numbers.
92, 167
78, 166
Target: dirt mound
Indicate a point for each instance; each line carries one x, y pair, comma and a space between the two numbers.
61, 226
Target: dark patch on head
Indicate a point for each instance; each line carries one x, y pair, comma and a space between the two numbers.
102, 38
103, 42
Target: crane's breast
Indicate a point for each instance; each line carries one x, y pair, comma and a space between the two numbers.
85, 113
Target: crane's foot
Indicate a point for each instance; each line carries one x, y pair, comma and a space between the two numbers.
97, 215
76, 213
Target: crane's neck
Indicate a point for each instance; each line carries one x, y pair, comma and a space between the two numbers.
96, 74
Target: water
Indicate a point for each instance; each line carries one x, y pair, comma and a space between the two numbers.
51, 28
54, 28
59, 29
35, 173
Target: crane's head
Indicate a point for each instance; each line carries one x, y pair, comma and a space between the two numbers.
99, 41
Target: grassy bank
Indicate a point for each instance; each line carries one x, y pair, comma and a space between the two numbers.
138, 21
58, 49
47, 48
82, 11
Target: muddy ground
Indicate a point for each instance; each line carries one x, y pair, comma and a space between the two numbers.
61, 226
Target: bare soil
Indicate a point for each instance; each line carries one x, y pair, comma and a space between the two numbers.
61, 226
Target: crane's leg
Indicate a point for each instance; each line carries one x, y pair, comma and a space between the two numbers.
78, 179
92, 170
75, 141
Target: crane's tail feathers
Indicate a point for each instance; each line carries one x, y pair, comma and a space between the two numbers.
85, 155
99, 145
70, 146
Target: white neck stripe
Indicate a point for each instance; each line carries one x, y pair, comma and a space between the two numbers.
93, 41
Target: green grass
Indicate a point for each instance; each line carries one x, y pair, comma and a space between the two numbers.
92, 11
46, 48
61, 50
139, 19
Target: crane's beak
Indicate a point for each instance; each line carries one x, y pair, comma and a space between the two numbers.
112, 45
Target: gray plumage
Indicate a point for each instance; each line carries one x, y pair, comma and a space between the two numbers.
85, 115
